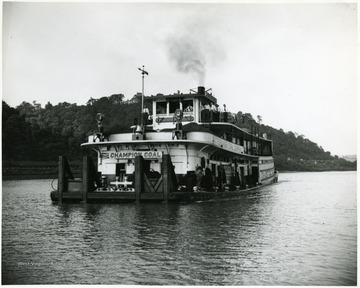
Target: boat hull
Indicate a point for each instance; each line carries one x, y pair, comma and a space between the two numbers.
150, 197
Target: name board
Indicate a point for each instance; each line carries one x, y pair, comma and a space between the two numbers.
133, 154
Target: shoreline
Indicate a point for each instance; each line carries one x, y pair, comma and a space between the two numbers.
28, 177
8, 177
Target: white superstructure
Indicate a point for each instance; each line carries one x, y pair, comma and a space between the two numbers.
190, 129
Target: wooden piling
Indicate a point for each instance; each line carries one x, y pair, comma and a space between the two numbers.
85, 177
166, 172
61, 177
139, 177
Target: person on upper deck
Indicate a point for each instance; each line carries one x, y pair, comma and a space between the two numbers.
146, 114
188, 109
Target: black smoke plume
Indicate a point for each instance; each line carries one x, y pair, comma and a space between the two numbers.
188, 57
195, 45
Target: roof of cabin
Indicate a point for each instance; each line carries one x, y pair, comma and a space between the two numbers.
207, 96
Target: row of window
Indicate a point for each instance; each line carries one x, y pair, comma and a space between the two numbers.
222, 158
266, 161
162, 107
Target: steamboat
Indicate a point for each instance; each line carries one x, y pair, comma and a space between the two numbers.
184, 148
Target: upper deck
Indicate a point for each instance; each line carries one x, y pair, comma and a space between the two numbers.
201, 107
196, 111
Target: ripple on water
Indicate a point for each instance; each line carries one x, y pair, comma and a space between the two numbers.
301, 231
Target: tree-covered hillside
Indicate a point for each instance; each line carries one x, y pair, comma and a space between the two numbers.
33, 133
293, 152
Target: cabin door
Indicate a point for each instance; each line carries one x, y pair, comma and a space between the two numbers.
213, 170
120, 171
242, 175
255, 174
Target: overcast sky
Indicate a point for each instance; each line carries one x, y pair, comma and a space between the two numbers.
293, 64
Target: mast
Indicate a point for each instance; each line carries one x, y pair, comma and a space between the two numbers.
143, 72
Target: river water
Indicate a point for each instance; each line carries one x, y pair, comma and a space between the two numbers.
300, 231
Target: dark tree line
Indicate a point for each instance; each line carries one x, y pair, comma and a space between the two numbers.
296, 153
33, 133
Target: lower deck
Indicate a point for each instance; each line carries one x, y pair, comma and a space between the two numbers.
111, 196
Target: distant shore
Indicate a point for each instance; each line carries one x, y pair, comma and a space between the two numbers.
28, 177
49, 170
26, 170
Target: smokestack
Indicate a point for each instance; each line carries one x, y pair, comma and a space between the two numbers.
201, 90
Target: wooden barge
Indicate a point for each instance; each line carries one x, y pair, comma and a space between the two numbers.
146, 190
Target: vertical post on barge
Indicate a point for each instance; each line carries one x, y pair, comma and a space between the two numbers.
61, 177
139, 177
166, 172
85, 178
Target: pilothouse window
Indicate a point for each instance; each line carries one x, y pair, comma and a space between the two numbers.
161, 107
188, 105
173, 105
